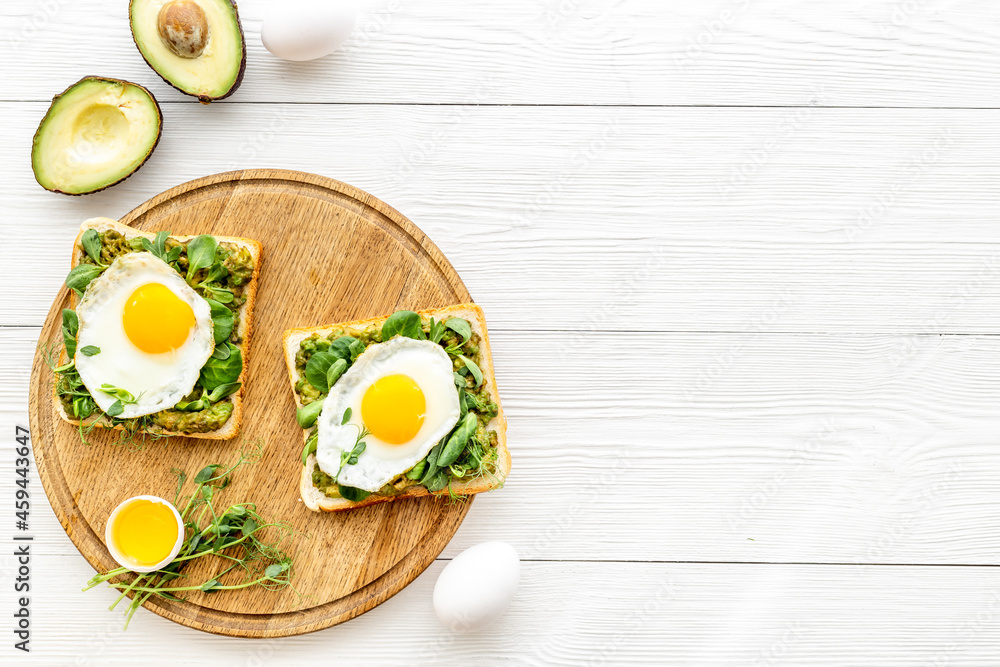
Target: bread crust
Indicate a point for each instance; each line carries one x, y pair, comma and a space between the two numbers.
315, 500
233, 425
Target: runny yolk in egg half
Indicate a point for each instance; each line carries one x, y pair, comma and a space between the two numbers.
393, 409
145, 532
156, 320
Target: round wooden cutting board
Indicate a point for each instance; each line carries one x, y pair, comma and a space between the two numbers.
331, 253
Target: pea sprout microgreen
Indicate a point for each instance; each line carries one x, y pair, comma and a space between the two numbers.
124, 398
246, 543
349, 457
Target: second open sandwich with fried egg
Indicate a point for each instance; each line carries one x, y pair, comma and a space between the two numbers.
395, 407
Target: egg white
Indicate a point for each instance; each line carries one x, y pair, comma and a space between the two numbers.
430, 367
159, 381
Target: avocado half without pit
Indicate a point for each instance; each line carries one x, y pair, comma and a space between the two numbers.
96, 133
196, 46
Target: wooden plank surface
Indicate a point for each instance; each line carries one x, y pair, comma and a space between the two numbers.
722, 52
765, 337
777, 448
600, 613
867, 220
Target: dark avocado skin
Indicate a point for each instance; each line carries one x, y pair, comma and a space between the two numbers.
204, 99
159, 131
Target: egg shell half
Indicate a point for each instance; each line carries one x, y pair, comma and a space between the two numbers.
123, 559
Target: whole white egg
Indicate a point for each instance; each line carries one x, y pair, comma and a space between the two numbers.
477, 586
307, 29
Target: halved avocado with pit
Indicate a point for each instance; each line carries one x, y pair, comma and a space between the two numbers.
197, 46
96, 133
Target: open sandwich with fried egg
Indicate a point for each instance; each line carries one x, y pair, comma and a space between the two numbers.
397, 407
157, 337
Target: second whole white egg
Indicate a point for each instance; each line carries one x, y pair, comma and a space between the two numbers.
307, 29
477, 586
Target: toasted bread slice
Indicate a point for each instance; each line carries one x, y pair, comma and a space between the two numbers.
316, 500
232, 426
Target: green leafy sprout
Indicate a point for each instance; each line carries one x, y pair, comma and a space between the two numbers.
158, 247
350, 457
253, 551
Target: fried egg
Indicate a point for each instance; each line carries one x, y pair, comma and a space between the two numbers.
401, 391
153, 331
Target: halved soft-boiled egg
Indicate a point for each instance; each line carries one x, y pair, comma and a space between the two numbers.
152, 333
144, 533
401, 391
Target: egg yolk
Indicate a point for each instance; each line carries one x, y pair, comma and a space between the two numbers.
156, 320
393, 409
145, 532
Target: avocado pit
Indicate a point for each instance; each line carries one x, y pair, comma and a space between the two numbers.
183, 27
197, 46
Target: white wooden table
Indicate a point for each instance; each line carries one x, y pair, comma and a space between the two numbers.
741, 262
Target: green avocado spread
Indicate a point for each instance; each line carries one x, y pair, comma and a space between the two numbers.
221, 274
211, 418
478, 457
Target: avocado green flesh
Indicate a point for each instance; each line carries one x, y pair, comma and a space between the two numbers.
217, 72
95, 134
210, 419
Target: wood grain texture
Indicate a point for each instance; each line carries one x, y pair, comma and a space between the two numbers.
843, 449
597, 613
846, 226
875, 444
725, 52
331, 253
